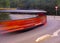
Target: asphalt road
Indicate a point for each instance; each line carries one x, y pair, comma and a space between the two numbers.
31, 36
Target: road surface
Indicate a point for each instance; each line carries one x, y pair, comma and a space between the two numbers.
31, 36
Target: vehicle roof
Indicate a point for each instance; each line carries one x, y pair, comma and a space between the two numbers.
24, 11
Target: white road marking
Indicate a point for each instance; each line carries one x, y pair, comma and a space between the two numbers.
44, 37
56, 33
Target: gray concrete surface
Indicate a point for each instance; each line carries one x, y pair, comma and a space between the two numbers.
30, 36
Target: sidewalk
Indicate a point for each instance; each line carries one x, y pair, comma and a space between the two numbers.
53, 17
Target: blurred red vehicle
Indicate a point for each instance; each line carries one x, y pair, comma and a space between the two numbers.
22, 20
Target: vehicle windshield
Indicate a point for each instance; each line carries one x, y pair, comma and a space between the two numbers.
7, 16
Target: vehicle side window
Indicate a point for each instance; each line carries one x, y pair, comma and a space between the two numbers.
8, 16
22, 16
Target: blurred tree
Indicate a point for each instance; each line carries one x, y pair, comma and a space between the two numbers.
58, 2
4, 4
20, 4
13, 3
